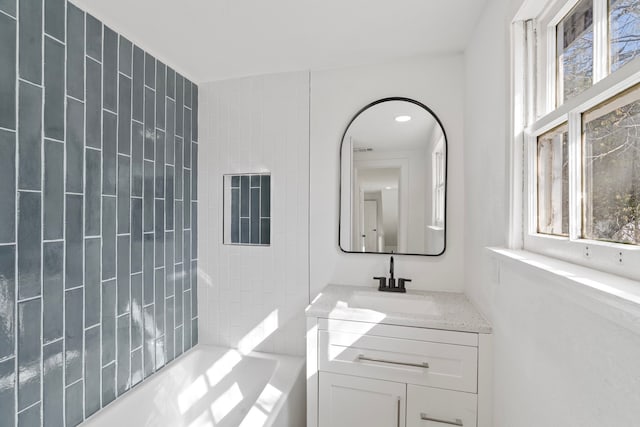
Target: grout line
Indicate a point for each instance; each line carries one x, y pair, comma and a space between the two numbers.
28, 407
73, 383
74, 98
53, 38
23, 300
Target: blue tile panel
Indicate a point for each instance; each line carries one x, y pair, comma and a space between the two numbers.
98, 220
250, 210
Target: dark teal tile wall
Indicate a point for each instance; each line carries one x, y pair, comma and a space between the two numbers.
98, 220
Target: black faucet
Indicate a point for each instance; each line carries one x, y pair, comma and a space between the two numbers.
391, 286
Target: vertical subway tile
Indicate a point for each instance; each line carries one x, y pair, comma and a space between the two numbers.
178, 341
148, 195
74, 404
187, 319
149, 123
53, 89
171, 132
108, 321
30, 40
254, 234
168, 262
29, 136
179, 294
93, 104
159, 164
7, 392
125, 56
29, 247
74, 145
93, 192
265, 231
159, 230
194, 171
123, 377
160, 353
136, 311
124, 297
169, 322
194, 230
244, 230
194, 113
187, 95
187, 138
161, 71
137, 148
92, 370
136, 366
7, 71
108, 384
110, 69
53, 384
186, 282
160, 302
149, 347
74, 241
7, 302
148, 268
75, 52
73, 335
54, 18
194, 332
94, 38
171, 83
178, 232
235, 215
136, 235
29, 347
178, 169
53, 189
30, 417
124, 115
244, 196
194, 288
186, 196
8, 6
92, 281
109, 149
138, 84
265, 199
7, 184
149, 71
124, 199
169, 198
52, 291
108, 237
179, 105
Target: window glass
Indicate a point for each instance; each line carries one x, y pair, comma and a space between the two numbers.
574, 35
553, 182
624, 31
612, 169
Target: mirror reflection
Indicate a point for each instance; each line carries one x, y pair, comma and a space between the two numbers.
393, 180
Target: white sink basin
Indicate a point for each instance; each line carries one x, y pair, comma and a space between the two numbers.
392, 303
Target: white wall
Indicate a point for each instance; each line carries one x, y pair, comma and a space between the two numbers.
336, 95
253, 125
557, 362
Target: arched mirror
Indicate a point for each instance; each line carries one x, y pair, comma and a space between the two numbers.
393, 180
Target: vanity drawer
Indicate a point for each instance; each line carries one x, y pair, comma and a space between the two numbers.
432, 407
448, 366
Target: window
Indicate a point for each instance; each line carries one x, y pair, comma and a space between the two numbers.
580, 98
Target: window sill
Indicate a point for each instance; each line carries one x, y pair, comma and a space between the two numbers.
613, 297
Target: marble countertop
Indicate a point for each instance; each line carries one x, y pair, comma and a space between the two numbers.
436, 310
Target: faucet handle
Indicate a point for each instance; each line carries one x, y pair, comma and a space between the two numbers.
401, 283
382, 282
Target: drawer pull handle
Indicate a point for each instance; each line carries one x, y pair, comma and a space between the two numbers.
455, 422
362, 357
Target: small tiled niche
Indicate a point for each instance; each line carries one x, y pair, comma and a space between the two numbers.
247, 209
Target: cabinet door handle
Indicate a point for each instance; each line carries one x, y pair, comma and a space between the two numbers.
363, 358
399, 398
454, 422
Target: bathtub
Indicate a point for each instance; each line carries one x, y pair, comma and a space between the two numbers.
214, 386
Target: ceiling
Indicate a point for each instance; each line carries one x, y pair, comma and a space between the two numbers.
218, 39
376, 128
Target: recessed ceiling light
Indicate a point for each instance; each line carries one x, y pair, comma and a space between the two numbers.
402, 119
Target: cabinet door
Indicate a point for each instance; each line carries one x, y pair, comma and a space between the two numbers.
432, 407
347, 401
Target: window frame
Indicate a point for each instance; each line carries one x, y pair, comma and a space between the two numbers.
535, 112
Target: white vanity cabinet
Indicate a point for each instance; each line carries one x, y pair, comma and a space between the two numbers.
370, 373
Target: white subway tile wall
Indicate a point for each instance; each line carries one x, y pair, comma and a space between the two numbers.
98, 236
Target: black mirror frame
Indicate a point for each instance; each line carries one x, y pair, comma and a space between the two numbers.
446, 172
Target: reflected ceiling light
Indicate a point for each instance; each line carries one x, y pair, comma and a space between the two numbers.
402, 119
388, 188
